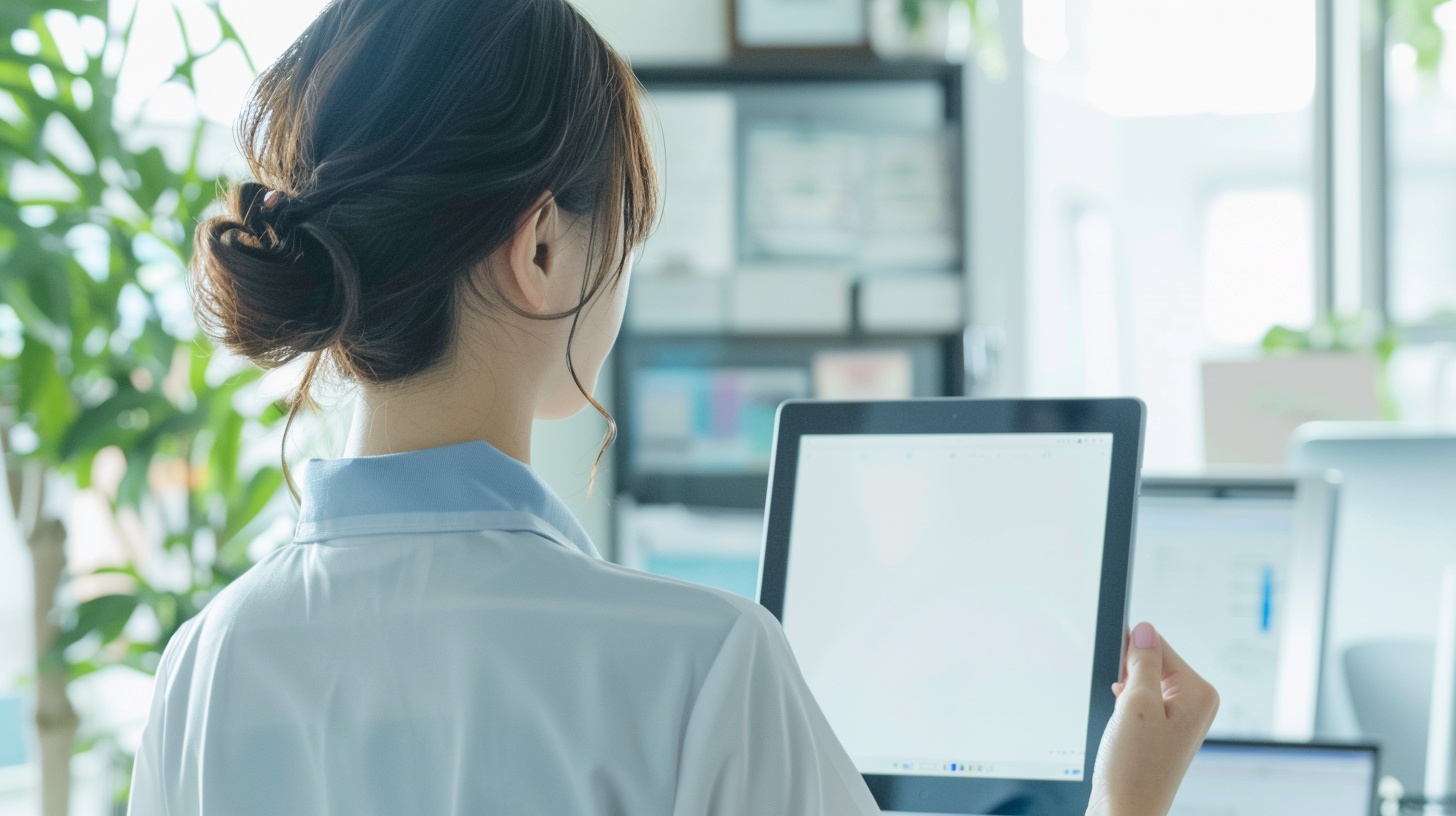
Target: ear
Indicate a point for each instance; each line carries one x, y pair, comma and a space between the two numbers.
530, 255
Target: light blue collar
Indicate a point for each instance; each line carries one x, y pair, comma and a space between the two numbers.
469, 486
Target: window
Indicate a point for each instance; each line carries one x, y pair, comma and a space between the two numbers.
1258, 264
1169, 204
1421, 111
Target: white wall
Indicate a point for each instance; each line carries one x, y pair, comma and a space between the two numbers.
996, 217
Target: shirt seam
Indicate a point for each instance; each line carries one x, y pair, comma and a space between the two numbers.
311, 532
744, 616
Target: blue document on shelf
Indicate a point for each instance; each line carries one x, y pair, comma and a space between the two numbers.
715, 547
709, 420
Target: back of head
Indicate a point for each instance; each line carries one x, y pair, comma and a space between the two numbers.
394, 147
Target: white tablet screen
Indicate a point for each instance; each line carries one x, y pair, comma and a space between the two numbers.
941, 597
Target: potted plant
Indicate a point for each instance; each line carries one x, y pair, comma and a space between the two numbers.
99, 359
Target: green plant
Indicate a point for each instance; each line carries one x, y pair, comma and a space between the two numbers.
1414, 22
985, 31
1352, 335
97, 358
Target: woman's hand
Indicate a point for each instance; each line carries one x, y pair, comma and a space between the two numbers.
1163, 712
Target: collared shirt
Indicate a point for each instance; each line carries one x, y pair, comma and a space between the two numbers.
441, 637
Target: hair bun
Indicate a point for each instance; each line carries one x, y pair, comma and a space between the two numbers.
268, 282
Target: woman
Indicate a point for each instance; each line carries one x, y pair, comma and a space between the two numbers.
448, 193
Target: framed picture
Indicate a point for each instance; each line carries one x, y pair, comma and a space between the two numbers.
778, 25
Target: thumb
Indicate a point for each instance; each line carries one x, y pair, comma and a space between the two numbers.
1145, 660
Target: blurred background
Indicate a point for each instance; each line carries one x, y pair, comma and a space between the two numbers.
1238, 210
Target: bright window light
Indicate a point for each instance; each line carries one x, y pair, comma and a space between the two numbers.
1445, 17
266, 27
223, 81
1164, 58
1044, 28
1258, 264
149, 63
1097, 274
1403, 75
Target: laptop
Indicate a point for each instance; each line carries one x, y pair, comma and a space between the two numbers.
1232, 778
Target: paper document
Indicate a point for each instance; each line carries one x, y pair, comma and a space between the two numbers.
870, 374
693, 146
805, 192
910, 218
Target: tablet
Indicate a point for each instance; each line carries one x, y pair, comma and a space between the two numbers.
952, 575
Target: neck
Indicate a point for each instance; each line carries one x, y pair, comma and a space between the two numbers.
461, 402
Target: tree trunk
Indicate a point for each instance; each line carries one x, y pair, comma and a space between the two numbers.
55, 719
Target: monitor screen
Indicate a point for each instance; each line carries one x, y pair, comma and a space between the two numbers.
709, 420
1213, 573
1233, 779
941, 595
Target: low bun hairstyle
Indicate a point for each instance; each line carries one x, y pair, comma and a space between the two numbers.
394, 146
272, 289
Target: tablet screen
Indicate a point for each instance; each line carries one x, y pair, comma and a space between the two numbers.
941, 595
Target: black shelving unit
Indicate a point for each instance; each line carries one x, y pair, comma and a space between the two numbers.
798, 70
938, 358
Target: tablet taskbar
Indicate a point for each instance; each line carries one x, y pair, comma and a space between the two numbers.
1069, 770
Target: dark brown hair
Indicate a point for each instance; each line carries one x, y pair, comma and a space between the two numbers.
406, 140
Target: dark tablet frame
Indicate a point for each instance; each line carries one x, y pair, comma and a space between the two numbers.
1124, 418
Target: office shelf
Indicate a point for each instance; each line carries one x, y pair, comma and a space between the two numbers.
776, 69
938, 368
771, 88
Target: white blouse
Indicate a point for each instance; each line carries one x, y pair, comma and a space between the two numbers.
441, 637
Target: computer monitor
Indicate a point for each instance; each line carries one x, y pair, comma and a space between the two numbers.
1396, 536
1234, 571
1279, 779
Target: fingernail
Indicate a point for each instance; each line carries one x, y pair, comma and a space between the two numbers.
1143, 636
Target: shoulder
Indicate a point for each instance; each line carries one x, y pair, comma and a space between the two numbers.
253, 596
736, 633
676, 614
180, 655
275, 574
477, 575
691, 605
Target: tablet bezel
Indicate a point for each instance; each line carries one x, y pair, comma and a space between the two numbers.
1123, 418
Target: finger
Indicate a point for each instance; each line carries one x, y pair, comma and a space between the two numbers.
1145, 660
1185, 692
1173, 663
1181, 681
